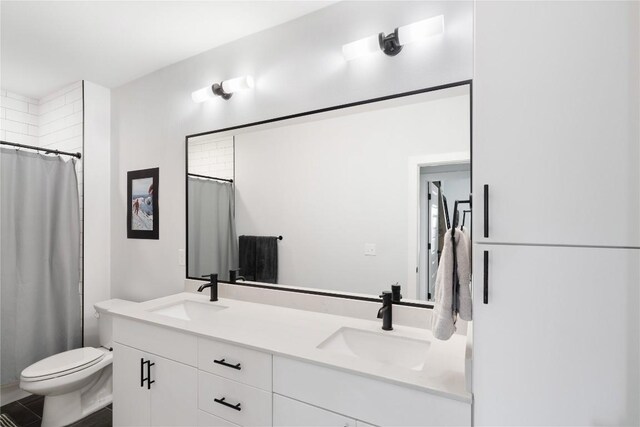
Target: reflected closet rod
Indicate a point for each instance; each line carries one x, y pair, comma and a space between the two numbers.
209, 177
46, 150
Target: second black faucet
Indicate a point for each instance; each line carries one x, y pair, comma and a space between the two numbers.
213, 284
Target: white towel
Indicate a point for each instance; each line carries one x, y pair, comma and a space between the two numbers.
443, 318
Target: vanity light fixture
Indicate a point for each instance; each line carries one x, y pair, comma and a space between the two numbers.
224, 89
392, 43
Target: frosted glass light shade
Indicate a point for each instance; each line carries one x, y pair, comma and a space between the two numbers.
421, 30
361, 47
203, 94
237, 84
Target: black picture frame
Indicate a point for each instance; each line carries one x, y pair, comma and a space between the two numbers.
139, 209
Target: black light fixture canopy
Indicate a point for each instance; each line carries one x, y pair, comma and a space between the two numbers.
217, 90
390, 43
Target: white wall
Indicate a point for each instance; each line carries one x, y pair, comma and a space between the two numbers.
97, 250
330, 186
298, 66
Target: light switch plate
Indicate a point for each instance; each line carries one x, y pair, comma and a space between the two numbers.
182, 257
370, 249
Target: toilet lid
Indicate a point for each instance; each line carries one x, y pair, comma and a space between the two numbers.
63, 363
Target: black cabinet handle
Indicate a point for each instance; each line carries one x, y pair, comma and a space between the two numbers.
228, 405
142, 372
228, 365
149, 382
485, 292
486, 210
142, 377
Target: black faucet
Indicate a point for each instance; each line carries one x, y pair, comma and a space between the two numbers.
213, 284
233, 276
385, 311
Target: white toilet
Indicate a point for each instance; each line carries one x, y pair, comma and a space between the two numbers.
77, 382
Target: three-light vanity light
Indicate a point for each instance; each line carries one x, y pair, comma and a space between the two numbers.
392, 43
223, 89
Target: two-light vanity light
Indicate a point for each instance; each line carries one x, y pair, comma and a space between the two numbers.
224, 89
392, 43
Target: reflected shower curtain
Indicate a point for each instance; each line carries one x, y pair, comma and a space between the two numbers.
213, 244
40, 259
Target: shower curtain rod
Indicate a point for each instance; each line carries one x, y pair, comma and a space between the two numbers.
46, 150
209, 177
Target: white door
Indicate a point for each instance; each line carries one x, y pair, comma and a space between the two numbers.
557, 341
131, 398
555, 122
292, 413
174, 393
433, 237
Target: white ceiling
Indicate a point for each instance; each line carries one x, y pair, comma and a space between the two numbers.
49, 44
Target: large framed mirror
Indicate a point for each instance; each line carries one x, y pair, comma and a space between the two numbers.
343, 201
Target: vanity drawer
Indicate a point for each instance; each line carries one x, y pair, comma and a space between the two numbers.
237, 363
243, 405
365, 398
205, 419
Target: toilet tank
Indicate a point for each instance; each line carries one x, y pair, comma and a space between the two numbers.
105, 320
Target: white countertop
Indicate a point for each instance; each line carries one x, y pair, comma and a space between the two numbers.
297, 333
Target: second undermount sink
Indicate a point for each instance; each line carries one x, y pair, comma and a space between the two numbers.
189, 310
383, 348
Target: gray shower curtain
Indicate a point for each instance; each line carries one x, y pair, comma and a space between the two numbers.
213, 244
40, 259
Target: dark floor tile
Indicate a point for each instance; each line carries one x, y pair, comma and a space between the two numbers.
35, 405
102, 418
19, 414
31, 398
34, 424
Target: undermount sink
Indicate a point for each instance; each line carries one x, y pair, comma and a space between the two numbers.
383, 348
189, 310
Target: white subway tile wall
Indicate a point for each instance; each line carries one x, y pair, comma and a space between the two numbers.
54, 121
212, 157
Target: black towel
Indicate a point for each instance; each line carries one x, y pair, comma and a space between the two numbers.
258, 258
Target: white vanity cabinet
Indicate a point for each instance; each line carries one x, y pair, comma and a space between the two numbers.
555, 112
160, 394
163, 376
150, 389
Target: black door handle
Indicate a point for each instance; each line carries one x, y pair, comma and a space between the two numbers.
237, 366
486, 210
228, 405
485, 292
149, 382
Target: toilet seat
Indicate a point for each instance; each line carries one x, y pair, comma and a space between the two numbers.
62, 364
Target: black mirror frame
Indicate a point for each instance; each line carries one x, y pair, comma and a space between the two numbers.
427, 305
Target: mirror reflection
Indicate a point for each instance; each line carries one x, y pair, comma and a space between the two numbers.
350, 201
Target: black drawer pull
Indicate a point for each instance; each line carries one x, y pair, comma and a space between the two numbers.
486, 210
228, 365
485, 293
228, 405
